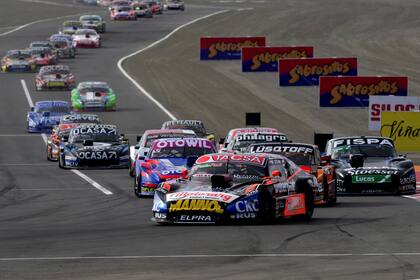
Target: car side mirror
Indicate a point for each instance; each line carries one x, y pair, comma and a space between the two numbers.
87, 143
191, 160
276, 173
325, 160
46, 114
32, 109
221, 141
138, 138
136, 147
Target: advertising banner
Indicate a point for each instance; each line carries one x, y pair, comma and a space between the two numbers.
403, 128
378, 104
221, 48
265, 59
306, 71
355, 91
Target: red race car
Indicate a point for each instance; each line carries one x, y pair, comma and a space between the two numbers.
59, 133
43, 56
123, 13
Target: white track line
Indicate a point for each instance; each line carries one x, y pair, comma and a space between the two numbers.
44, 137
139, 87
34, 22
298, 255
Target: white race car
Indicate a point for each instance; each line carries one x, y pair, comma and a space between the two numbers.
86, 38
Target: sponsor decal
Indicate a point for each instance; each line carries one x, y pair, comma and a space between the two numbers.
281, 149
356, 91
265, 59
159, 215
219, 48
368, 171
98, 155
371, 191
237, 157
80, 117
379, 104
94, 130
173, 143
171, 172
363, 141
371, 179
261, 137
195, 218
196, 205
306, 71
169, 124
218, 196
408, 180
407, 188
243, 216
147, 189
294, 205
403, 128
247, 206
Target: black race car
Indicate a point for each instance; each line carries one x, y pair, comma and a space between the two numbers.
228, 188
94, 145
370, 165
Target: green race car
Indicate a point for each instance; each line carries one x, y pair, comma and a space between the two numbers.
93, 22
93, 96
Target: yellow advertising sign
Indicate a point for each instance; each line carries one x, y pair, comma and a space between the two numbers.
403, 128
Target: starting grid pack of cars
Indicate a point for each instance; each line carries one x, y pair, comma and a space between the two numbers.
254, 175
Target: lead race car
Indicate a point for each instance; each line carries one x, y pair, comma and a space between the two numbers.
308, 157
227, 188
94, 146
168, 159
370, 165
93, 96
46, 114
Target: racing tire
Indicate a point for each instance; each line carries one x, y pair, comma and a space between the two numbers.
333, 200
48, 155
131, 170
303, 186
137, 192
266, 213
61, 161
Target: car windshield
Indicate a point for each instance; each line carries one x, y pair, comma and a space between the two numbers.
300, 158
60, 43
124, 8
55, 71
93, 89
90, 18
55, 109
234, 168
153, 137
85, 32
21, 55
179, 152
343, 152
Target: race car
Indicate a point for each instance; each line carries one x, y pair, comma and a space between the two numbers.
104, 3
119, 3
45, 115
80, 118
370, 165
70, 27
236, 188
308, 157
123, 13
168, 159
241, 141
63, 45
144, 142
41, 44
194, 125
93, 22
43, 56
224, 142
86, 38
18, 61
94, 146
142, 9
60, 133
175, 5
155, 6
93, 96
54, 77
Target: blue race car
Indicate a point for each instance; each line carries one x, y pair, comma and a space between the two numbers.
168, 159
94, 146
46, 114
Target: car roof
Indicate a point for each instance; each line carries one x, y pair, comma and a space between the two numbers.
168, 131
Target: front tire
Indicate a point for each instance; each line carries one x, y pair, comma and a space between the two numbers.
137, 189
61, 161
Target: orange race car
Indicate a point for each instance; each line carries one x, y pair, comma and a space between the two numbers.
59, 133
308, 157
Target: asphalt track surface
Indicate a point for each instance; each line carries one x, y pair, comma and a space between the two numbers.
55, 225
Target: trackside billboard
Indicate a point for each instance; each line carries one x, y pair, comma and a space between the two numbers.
380, 104
223, 48
356, 91
265, 59
403, 128
306, 71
